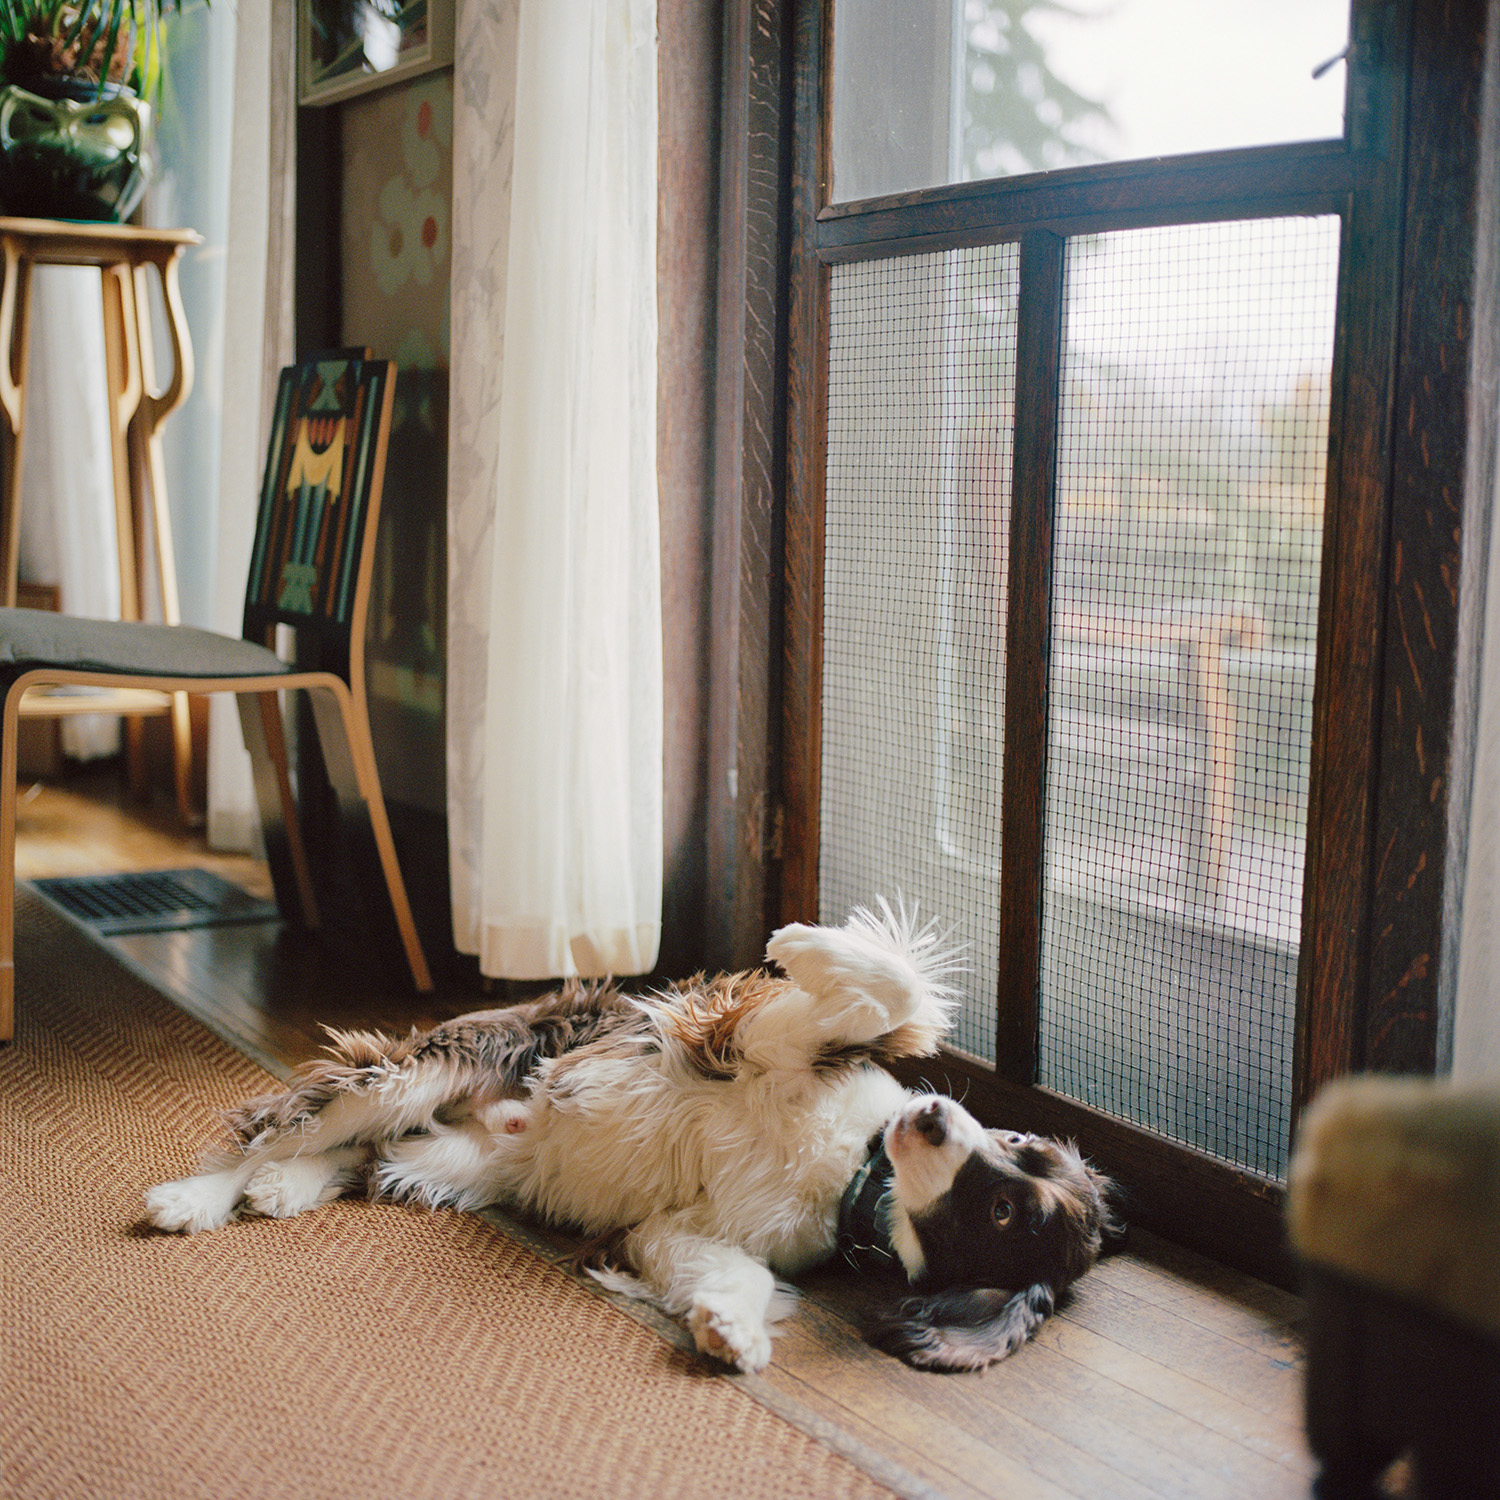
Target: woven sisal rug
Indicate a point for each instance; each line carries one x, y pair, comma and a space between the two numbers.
357, 1351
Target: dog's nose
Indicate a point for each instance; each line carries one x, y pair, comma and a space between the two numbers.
931, 1120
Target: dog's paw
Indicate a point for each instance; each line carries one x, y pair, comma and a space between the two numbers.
724, 1332
869, 978
193, 1204
795, 941
281, 1189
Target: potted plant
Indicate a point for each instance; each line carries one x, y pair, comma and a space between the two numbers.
76, 77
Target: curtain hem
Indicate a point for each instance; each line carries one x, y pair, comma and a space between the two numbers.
544, 951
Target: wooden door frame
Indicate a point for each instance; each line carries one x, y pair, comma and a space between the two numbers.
1382, 855
743, 798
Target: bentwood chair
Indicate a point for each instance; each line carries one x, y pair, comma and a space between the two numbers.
310, 570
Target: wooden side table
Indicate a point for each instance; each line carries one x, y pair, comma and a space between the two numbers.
137, 410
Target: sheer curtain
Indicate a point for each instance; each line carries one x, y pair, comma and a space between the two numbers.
1476, 1027
68, 517
257, 342
68, 510
554, 691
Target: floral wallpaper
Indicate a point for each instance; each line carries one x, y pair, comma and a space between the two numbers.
397, 221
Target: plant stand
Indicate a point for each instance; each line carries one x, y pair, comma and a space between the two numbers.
136, 410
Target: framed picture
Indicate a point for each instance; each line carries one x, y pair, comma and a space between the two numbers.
347, 47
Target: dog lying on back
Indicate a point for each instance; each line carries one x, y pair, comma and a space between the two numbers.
725, 1132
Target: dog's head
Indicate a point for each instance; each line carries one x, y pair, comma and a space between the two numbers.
991, 1226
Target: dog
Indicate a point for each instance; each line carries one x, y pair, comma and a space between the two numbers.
717, 1134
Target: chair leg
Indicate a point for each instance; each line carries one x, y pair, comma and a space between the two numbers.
286, 855
137, 772
349, 755
9, 728
182, 760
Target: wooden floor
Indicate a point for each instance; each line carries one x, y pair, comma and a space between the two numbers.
1165, 1375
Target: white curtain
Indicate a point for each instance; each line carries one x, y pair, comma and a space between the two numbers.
554, 690
257, 342
1476, 1026
67, 482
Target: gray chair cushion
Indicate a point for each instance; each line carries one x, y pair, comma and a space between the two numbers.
31, 638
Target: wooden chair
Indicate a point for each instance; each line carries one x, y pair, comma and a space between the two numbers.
310, 570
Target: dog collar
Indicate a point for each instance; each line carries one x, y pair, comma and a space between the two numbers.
864, 1240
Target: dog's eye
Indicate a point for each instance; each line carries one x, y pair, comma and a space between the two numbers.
1004, 1211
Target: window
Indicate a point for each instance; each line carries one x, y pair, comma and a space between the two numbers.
924, 95
1091, 483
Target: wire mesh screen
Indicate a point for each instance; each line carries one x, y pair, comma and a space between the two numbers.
1192, 453
920, 389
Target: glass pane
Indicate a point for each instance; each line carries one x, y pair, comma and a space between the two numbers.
921, 378
957, 90
1192, 452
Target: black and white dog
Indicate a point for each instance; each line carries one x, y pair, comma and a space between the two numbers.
727, 1131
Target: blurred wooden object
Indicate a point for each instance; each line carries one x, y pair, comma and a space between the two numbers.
1394, 1199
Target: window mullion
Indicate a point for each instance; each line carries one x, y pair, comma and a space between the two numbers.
1028, 637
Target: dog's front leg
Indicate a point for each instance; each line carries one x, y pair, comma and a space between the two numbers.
880, 978
728, 1298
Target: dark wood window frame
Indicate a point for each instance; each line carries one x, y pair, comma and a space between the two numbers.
1381, 851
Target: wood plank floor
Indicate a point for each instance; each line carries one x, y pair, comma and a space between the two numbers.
1164, 1376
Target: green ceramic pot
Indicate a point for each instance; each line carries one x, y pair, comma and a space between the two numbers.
73, 158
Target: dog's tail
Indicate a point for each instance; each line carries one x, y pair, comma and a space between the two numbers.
404, 1083
379, 1069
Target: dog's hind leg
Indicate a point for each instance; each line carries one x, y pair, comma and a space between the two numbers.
279, 1189
212, 1197
729, 1299
453, 1166
377, 1088
193, 1204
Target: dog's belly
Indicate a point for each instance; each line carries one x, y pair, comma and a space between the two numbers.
760, 1162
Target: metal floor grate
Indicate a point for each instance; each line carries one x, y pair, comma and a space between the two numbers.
152, 900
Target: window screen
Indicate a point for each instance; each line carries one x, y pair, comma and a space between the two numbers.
1192, 450
920, 388
1192, 453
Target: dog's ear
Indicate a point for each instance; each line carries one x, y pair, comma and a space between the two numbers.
962, 1330
1114, 1228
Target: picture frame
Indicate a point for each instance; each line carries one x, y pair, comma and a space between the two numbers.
349, 47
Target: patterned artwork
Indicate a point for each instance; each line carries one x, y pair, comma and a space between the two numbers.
314, 496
